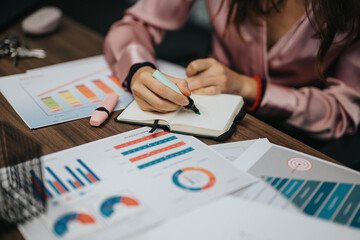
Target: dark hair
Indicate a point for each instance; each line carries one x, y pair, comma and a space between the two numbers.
330, 17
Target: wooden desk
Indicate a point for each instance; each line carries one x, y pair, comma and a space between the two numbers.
74, 41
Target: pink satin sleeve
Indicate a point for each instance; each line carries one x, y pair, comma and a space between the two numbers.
132, 39
323, 113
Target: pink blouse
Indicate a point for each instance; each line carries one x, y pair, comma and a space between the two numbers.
291, 94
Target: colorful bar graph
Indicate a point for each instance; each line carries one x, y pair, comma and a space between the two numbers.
139, 140
90, 95
70, 99
332, 201
91, 173
38, 184
152, 153
105, 88
53, 187
58, 183
165, 158
74, 175
51, 104
116, 80
146, 146
83, 174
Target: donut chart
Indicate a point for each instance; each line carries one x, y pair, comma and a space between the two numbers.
61, 225
299, 164
194, 179
107, 207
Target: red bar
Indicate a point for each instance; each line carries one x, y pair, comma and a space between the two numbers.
77, 184
155, 135
91, 177
38, 187
59, 187
134, 159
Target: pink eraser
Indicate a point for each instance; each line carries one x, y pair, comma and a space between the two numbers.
103, 111
43, 21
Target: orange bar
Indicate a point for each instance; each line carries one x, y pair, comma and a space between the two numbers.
116, 80
61, 189
77, 184
105, 88
71, 82
90, 95
155, 135
91, 177
134, 159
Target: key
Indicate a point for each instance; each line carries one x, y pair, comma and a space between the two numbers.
23, 52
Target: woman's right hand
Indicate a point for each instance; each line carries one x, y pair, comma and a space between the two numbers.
152, 95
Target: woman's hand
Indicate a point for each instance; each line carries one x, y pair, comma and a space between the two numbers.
152, 95
208, 77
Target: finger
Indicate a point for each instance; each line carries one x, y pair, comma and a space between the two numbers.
150, 101
212, 90
182, 84
196, 83
199, 65
166, 92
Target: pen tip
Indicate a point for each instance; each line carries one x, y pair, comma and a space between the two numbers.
198, 112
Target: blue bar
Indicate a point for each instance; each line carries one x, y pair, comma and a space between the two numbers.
88, 169
305, 192
273, 183
356, 220
291, 188
319, 197
37, 179
167, 157
349, 206
83, 174
72, 184
57, 179
165, 140
74, 175
335, 200
269, 179
282, 183
53, 186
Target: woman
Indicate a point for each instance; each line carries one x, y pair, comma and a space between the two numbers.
296, 61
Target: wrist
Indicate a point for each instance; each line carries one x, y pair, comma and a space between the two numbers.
249, 89
133, 70
253, 105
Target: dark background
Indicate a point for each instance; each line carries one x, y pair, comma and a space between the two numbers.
190, 42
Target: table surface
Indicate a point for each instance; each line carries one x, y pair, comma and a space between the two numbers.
74, 41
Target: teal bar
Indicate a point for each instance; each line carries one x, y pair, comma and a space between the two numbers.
349, 206
276, 180
356, 221
281, 184
319, 197
291, 188
305, 192
71, 183
269, 179
335, 200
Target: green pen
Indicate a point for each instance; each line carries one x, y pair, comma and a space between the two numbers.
164, 80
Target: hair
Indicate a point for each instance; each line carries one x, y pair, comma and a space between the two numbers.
330, 18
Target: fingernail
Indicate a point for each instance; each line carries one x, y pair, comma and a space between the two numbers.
185, 101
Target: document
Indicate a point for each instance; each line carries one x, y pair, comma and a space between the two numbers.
67, 91
233, 218
120, 185
298, 182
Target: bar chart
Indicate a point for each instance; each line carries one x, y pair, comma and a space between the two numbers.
59, 184
338, 202
154, 145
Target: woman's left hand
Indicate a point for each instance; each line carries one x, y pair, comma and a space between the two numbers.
209, 77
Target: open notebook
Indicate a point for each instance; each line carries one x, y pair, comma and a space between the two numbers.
218, 116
